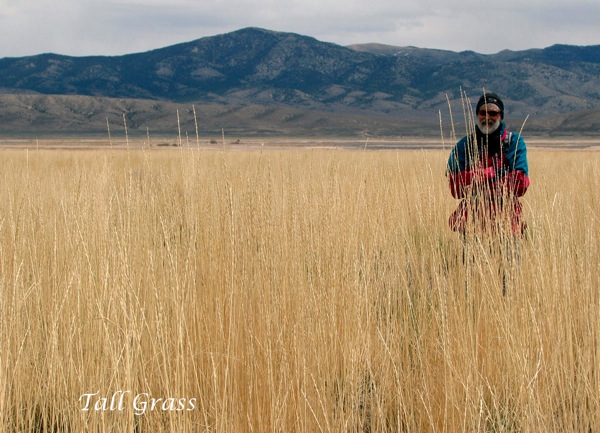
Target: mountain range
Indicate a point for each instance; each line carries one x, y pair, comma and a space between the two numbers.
257, 81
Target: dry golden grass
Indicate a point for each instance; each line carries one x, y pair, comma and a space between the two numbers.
289, 291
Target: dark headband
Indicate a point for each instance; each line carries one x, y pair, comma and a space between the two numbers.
490, 98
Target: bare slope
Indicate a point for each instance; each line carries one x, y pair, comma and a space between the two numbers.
303, 82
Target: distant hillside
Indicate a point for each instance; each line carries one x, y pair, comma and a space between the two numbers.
369, 85
31, 115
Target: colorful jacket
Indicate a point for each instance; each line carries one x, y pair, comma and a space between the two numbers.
486, 172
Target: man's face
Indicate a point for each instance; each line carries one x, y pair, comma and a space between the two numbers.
488, 118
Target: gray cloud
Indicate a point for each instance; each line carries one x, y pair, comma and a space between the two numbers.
90, 27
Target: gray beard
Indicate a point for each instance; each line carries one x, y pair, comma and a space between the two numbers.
488, 129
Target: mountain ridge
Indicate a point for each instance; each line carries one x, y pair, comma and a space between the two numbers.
255, 67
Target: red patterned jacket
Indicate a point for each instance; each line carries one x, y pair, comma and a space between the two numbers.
488, 173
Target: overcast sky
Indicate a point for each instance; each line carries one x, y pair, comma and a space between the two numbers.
112, 27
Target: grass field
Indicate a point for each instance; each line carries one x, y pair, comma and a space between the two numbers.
309, 290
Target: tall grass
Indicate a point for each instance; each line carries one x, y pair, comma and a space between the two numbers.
290, 291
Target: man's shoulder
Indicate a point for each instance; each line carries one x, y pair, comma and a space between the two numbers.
514, 138
462, 142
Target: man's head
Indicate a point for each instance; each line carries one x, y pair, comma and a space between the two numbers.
490, 111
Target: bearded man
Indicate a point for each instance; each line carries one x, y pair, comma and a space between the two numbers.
488, 171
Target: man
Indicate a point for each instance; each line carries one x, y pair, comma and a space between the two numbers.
488, 171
